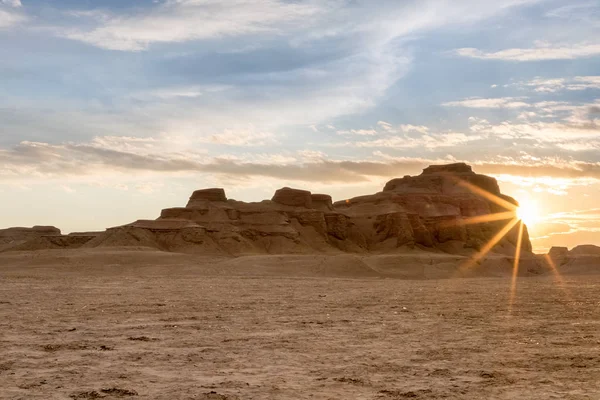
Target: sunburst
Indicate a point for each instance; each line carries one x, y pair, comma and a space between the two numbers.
513, 215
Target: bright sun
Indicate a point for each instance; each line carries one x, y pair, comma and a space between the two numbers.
528, 212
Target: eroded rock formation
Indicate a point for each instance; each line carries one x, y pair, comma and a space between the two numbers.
42, 237
426, 211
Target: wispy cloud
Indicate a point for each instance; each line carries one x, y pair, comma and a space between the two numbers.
477, 102
576, 83
10, 18
428, 141
185, 20
31, 162
414, 128
541, 51
358, 132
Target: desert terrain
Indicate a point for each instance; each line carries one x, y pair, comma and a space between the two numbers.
428, 289
136, 323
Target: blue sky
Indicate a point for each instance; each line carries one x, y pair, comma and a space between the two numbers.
112, 110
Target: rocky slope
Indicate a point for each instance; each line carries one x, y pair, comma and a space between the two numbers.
426, 211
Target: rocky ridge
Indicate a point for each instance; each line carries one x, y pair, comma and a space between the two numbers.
425, 211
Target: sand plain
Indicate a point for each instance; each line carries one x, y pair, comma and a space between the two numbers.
152, 325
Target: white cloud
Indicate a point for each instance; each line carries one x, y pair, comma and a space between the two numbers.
384, 125
9, 19
414, 128
246, 137
542, 51
449, 139
553, 85
558, 133
477, 102
312, 155
358, 132
185, 20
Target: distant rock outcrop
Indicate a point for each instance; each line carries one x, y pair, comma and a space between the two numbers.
426, 211
585, 250
13, 237
293, 197
558, 254
41, 237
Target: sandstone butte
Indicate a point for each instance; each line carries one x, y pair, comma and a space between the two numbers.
423, 211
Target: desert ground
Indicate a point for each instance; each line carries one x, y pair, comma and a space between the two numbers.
154, 325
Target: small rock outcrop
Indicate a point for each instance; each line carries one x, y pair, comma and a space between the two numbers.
429, 211
558, 254
585, 250
204, 195
293, 197
38, 238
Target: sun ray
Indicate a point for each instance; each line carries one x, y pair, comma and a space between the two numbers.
490, 196
515, 272
557, 276
483, 218
490, 244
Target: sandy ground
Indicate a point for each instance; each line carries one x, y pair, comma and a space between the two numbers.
171, 332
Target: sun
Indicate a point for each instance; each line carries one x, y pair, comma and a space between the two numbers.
528, 212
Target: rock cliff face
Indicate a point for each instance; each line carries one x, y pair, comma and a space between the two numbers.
426, 211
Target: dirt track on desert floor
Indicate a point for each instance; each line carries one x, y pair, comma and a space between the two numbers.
174, 335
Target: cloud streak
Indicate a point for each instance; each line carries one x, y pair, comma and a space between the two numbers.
576, 83
185, 20
541, 52
31, 161
477, 102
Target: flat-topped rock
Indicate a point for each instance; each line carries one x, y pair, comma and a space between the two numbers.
453, 179
21, 232
212, 194
558, 253
293, 197
456, 168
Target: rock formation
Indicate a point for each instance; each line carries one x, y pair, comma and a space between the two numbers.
12, 237
585, 250
558, 255
426, 211
41, 237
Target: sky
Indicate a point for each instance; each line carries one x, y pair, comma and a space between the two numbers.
111, 110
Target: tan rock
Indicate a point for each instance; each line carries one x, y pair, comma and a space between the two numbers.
293, 197
200, 197
427, 211
322, 202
